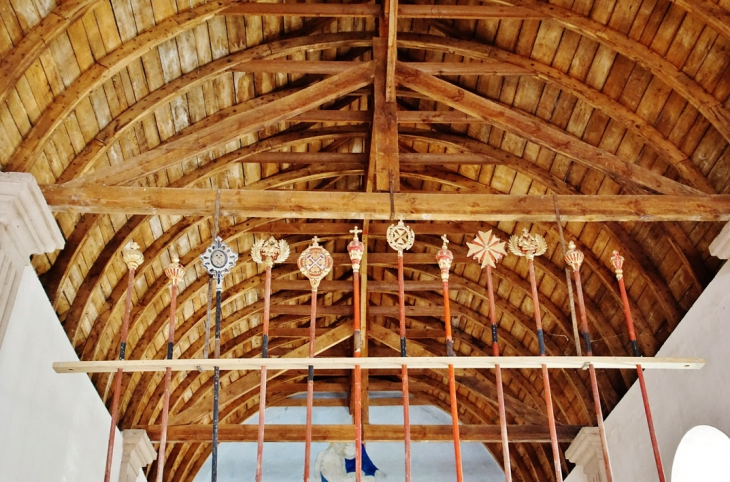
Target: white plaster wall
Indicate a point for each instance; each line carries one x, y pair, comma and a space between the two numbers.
680, 400
53, 428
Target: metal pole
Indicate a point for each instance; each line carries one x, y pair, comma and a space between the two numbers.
315, 263
488, 249
174, 273
356, 249
401, 238
445, 257
529, 246
133, 258
574, 259
218, 260
266, 252
618, 263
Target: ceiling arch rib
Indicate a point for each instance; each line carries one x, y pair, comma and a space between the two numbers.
102, 71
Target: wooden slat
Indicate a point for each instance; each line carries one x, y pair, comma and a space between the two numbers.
413, 206
538, 131
372, 433
379, 363
29, 49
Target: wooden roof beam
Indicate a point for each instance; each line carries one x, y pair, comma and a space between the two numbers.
538, 131
230, 124
373, 10
372, 433
413, 206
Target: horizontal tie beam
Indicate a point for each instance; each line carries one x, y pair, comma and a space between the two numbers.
374, 363
372, 433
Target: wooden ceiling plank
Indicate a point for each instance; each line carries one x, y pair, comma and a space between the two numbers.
538, 131
413, 206
198, 139
599, 100
711, 13
372, 433
105, 68
15, 63
704, 101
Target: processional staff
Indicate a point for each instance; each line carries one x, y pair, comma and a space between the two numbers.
356, 249
445, 257
618, 264
574, 259
488, 250
218, 260
174, 273
133, 258
528, 246
400, 237
315, 263
266, 252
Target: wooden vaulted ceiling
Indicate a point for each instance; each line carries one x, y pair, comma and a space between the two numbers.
572, 98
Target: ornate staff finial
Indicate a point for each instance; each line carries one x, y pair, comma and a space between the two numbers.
132, 256
574, 257
527, 245
315, 262
269, 251
400, 237
618, 263
218, 260
175, 271
445, 257
356, 249
487, 248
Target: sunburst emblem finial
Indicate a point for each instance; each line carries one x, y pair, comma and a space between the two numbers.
487, 248
269, 251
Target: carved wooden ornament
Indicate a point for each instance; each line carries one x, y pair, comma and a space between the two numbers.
315, 263
487, 249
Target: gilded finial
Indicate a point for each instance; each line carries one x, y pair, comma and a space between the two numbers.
574, 257
487, 249
618, 263
132, 256
527, 245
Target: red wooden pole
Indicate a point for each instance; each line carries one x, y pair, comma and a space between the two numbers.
445, 257
133, 258
574, 258
529, 246
266, 252
488, 249
401, 238
618, 263
314, 262
175, 273
356, 249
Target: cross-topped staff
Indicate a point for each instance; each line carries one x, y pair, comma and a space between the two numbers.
488, 250
444, 258
266, 252
356, 249
574, 259
174, 273
618, 263
133, 258
218, 260
528, 246
400, 237
315, 263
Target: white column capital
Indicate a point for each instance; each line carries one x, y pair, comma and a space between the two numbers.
720, 246
585, 452
137, 452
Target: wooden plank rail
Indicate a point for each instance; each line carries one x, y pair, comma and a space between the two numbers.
412, 206
373, 363
372, 433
